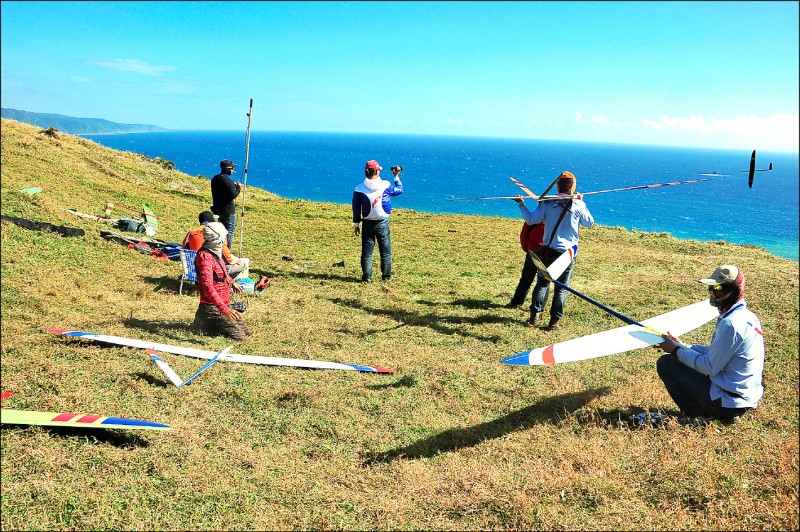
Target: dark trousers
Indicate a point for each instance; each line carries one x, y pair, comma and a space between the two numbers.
525, 281
371, 231
209, 320
229, 221
691, 390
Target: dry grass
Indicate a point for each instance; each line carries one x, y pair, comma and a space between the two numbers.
454, 440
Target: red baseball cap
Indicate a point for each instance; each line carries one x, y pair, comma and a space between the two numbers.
373, 165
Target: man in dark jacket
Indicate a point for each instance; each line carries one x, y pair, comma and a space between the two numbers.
223, 192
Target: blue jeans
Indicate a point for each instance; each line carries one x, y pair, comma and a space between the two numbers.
559, 295
691, 390
372, 230
229, 221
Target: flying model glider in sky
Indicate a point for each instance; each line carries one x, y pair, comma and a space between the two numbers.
752, 171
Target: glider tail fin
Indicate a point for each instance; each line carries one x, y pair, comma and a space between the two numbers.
168, 371
525, 189
206, 366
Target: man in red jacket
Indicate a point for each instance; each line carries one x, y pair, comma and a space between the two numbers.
213, 317
530, 238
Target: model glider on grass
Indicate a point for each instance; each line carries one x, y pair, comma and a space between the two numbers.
177, 381
228, 357
633, 336
63, 419
56, 419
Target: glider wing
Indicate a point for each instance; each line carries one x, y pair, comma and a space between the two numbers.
620, 340
230, 357
55, 419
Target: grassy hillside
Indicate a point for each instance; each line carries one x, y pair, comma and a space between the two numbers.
453, 440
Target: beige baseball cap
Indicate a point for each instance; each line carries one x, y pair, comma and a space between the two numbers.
725, 274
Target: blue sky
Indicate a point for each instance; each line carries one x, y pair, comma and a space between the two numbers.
702, 74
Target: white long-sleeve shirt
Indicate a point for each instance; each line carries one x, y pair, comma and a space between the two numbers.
567, 231
734, 360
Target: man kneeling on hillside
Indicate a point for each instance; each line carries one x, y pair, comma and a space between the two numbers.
213, 317
194, 240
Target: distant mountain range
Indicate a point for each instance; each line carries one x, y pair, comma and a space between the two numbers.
76, 126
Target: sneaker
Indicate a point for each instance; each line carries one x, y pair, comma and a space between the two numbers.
554, 324
534, 317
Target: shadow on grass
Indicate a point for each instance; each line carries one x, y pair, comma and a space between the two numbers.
454, 439
116, 437
481, 304
152, 380
324, 276
171, 283
440, 324
405, 382
159, 327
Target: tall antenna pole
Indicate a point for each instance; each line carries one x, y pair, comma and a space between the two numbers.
244, 175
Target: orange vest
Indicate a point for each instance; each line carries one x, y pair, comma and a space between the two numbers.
194, 240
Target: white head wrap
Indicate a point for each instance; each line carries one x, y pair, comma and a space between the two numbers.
214, 234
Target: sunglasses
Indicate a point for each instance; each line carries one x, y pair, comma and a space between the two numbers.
716, 288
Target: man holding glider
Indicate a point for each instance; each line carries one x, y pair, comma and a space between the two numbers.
372, 204
562, 219
721, 380
223, 192
213, 317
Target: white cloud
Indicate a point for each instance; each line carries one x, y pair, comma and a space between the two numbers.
133, 65
578, 118
778, 131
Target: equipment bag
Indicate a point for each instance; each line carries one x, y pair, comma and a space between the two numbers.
131, 225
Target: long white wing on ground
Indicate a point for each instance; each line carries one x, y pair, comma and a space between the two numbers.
620, 340
230, 357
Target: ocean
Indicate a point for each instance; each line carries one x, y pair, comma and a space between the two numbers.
327, 166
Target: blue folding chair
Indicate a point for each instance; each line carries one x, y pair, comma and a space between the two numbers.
189, 272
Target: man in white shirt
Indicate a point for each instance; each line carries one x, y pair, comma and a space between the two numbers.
721, 380
562, 220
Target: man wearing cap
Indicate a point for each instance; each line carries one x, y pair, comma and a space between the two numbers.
213, 316
721, 380
223, 192
372, 206
562, 220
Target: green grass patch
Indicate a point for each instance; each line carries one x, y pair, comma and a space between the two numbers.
453, 440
